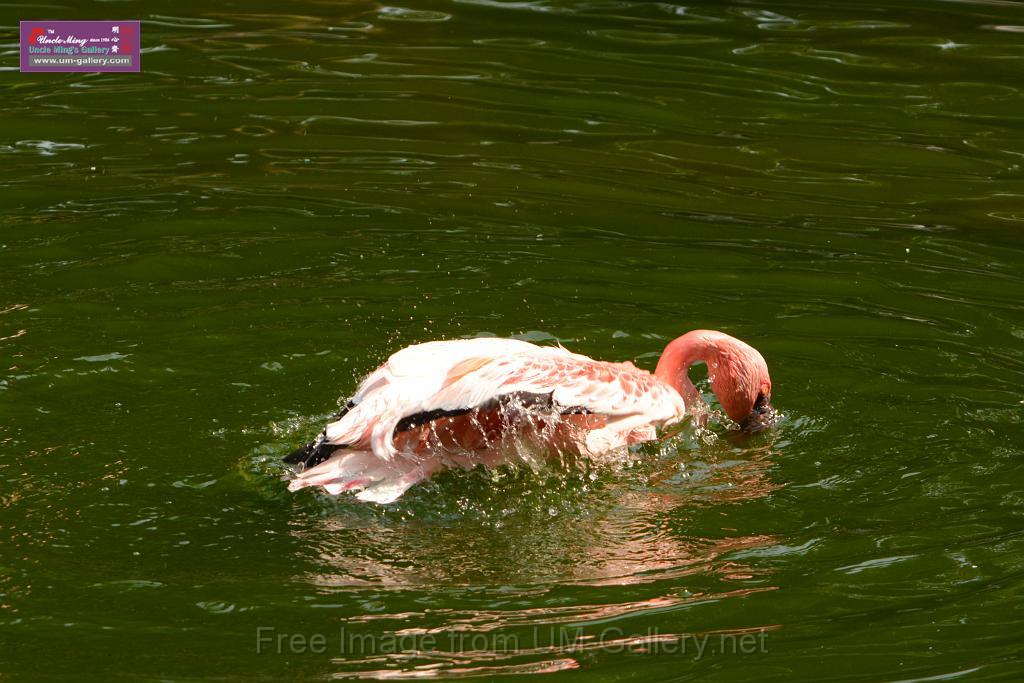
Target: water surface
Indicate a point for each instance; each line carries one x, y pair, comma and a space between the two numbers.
201, 260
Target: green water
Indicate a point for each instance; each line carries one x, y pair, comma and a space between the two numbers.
200, 260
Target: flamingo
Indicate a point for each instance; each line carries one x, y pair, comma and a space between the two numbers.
488, 400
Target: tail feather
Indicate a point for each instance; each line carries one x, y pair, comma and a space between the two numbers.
313, 453
376, 480
318, 450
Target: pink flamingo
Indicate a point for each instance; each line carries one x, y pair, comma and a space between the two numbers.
487, 401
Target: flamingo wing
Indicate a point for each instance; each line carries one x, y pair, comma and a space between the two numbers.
405, 386
424, 382
575, 383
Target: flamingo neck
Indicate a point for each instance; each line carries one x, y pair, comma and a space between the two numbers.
674, 366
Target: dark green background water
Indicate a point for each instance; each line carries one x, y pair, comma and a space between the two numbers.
199, 260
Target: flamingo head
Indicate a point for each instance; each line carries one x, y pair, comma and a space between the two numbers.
737, 372
739, 377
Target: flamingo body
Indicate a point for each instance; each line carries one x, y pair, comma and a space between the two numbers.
472, 401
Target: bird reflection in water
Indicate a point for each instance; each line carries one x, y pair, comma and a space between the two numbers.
507, 565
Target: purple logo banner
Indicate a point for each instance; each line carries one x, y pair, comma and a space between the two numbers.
80, 45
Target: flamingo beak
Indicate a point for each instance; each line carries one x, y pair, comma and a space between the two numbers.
762, 416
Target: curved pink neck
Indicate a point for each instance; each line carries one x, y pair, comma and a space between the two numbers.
674, 364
